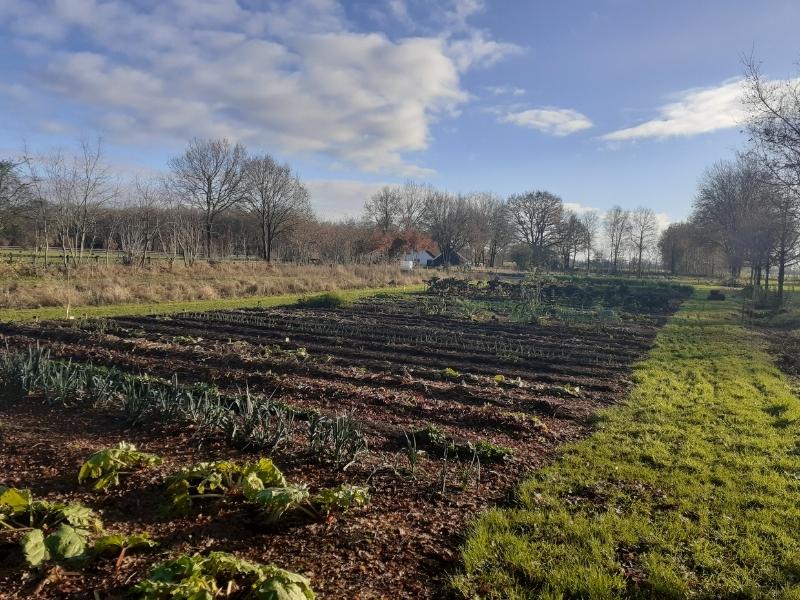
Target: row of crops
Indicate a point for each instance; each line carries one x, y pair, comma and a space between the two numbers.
71, 535
624, 294
392, 425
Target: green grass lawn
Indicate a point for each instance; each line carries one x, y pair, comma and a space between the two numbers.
155, 308
689, 489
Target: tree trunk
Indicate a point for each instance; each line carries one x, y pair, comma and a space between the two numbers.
264, 240
209, 231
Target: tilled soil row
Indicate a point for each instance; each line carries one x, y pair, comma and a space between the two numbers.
404, 543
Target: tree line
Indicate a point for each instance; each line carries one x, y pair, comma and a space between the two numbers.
75, 203
746, 213
217, 200
532, 229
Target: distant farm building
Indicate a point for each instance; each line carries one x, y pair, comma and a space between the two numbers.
454, 260
417, 258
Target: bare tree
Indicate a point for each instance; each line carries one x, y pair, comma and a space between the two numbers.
498, 226
15, 187
383, 208
139, 221
411, 204
447, 218
276, 197
617, 226
730, 193
208, 176
536, 217
774, 125
571, 239
591, 224
784, 234
643, 230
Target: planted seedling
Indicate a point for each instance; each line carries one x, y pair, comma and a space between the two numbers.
412, 453
489, 451
450, 373
337, 440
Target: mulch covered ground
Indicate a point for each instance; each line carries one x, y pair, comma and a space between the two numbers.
386, 367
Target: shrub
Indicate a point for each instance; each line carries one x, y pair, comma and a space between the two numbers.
716, 295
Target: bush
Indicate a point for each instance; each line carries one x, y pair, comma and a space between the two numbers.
326, 300
716, 295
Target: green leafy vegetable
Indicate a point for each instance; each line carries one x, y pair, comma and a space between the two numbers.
221, 478
67, 542
343, 497
200, 577
277, 501
34, 548
104, 468
116, 543
19, 510
56, 531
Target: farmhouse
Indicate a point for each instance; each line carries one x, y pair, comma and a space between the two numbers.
418, 257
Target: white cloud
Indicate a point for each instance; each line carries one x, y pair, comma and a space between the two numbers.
459, 11
550, 120
503, 90
271, 77
663, 220
337, 199
579, 208
478, 50
695, 111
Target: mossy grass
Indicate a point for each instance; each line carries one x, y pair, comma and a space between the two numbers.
688, 489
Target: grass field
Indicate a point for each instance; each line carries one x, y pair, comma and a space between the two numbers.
160, 308
25, 286
689, 489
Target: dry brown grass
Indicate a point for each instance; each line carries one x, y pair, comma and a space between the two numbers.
23, 286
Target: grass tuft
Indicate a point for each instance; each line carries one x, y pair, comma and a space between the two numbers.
326, 300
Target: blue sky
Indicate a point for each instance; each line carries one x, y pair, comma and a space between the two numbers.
604, 102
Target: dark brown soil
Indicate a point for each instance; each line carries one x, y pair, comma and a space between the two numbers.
386, 367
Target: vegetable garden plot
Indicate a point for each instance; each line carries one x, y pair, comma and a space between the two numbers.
452, 413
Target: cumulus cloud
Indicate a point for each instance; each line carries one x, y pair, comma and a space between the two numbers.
550, 120
692, 112
337, 199
268, 76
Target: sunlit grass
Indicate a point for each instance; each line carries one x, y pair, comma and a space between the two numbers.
688, 489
